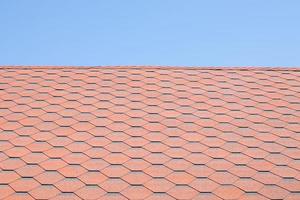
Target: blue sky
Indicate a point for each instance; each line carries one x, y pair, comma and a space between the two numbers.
153, 32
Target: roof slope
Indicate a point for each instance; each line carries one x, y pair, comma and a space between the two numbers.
149, 133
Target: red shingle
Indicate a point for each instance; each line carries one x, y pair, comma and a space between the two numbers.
149, 133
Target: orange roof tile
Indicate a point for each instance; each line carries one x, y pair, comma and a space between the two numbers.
149, 133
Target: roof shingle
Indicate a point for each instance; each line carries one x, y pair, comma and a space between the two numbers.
149, 133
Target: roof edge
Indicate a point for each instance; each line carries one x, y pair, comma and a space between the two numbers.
242, 68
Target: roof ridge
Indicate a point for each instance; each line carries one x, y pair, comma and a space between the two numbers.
243, 68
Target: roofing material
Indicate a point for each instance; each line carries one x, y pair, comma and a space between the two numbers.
149, 133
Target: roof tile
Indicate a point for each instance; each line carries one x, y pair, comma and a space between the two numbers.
182, 192
90, 192
136, 192
114, 185
69, 185
149, 133
44, 192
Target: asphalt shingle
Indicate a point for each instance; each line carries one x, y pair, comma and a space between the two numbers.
149, 133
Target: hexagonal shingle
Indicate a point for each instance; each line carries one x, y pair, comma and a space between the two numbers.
182, 192
136, 192
69, 185
90, 192
228, 192
149, 133
44, 192
114, 185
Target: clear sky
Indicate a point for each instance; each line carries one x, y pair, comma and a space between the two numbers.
150, 32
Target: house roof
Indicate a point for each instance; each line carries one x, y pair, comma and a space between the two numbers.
149, 133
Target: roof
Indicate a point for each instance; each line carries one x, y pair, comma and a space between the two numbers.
149, 133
